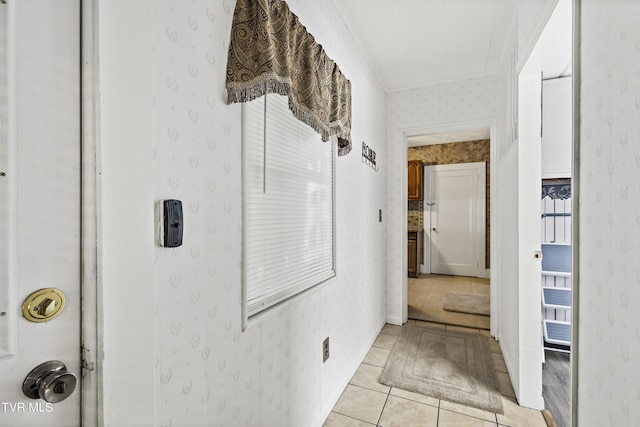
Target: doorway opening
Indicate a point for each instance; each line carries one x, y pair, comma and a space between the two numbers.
448, 224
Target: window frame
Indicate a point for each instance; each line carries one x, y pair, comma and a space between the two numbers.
249, 314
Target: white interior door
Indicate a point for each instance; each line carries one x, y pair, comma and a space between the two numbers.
530, 351
40, 191
455, 215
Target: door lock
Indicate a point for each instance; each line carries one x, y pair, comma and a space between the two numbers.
44, 305
50, 381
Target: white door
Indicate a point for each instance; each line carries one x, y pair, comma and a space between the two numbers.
40, 198
530, 352
455, 218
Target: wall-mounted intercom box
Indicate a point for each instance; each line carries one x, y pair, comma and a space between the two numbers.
170, 223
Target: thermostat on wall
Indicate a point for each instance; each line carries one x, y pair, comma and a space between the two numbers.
170, 223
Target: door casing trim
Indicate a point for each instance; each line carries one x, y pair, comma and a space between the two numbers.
90, 312
490, 123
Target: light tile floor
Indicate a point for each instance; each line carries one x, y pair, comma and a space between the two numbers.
365, 402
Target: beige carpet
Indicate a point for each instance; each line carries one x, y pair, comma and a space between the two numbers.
466, 303
445, 364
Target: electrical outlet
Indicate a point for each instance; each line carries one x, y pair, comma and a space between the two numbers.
325, 350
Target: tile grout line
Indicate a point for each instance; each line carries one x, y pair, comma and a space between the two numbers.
351, 417
390, 388
367, 388
383, 406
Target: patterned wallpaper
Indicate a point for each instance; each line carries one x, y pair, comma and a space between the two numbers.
209, 372
453, 153
458, 152
609, 216
437, 105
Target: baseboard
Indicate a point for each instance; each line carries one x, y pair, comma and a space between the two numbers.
394, 320
324, 413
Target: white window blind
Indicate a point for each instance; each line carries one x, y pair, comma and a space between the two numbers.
288, 183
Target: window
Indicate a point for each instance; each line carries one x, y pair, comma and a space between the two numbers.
288, 212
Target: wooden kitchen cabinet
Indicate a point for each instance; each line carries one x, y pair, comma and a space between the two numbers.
414, 253
415, 179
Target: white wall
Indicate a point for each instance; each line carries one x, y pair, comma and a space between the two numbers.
609, 215
556, 130
456, 106
125, 216
184, 142
452, 106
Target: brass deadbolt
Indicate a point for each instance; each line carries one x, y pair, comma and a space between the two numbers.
44, 305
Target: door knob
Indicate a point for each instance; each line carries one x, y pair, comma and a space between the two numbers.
434, 229
50, 381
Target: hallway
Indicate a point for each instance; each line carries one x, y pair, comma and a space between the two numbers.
365, 402
425, 295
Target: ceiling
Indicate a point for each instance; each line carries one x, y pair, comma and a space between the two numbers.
417, 43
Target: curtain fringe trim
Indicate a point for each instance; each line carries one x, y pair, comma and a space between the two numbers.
272, 83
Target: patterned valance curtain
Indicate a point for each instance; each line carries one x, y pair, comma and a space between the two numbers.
556, 189
271, 52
